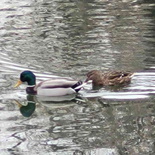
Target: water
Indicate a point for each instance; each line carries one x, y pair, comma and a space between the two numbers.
70, 38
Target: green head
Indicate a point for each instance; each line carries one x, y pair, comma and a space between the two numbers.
29, 77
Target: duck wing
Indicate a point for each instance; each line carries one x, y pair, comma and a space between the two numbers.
57, 87
58, 83
117, 78
117, 74
109, 78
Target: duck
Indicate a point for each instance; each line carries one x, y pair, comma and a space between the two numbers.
112, 78
56, 86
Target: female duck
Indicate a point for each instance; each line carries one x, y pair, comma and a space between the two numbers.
57, 86
114, 78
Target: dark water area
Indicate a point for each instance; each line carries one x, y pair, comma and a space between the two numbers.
69, 38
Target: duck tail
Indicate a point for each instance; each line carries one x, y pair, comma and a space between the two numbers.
77, 86
80, 85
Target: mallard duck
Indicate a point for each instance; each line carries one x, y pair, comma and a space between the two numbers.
113, 78
57, 86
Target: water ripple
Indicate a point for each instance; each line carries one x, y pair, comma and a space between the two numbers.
70, 38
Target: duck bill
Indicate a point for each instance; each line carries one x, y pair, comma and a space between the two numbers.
18, 104
19, 82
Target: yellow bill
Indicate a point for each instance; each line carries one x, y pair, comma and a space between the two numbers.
18, 104
19, 82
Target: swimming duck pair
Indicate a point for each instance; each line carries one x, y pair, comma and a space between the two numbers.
59, 86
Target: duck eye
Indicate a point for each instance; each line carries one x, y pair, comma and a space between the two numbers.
23, 78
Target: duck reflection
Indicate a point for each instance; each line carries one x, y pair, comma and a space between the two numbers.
28, 106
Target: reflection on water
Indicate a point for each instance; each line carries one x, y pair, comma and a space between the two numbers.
89, 127
28, 106
70, 38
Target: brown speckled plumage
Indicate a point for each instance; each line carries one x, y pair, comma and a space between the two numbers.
113, 78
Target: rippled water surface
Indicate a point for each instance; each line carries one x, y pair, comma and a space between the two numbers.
70, 38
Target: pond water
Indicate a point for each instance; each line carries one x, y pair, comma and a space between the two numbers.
70, 38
